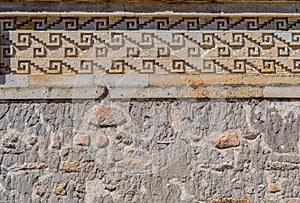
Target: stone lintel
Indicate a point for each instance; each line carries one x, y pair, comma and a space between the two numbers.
45, 93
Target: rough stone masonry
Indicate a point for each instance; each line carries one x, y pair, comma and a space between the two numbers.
150, 101
150, 151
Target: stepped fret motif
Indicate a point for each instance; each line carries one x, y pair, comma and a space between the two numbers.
149, 44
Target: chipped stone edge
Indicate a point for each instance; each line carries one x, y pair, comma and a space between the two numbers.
204, 92
16, 93
147, 87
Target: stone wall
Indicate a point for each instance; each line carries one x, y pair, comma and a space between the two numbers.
149, 101
150, 151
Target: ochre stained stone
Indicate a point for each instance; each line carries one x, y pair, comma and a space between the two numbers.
227, 141
55, 141
39, 190
272, 187
81, 140
105, 116
230, 200
80, 188
73, 166
60, 189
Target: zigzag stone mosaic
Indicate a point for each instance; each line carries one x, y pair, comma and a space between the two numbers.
150, 43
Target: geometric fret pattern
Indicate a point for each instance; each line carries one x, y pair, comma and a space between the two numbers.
150, 44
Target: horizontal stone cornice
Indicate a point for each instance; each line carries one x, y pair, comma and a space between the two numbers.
152, 1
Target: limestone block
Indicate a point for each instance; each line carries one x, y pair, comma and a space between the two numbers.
73, 166
105, 116
227, 140
52, 93
102, 141
235, 200
272, 187
148, 92
14, 81
281, 92
122, 80
61, 80
81, 140
60, 189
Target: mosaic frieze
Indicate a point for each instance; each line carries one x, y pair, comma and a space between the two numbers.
150, 44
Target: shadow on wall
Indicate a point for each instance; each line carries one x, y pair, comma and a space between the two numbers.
2, 66
2, 79
4, 53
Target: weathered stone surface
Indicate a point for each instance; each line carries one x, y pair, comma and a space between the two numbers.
272, 187
149, 92
282, 166
29, 166
55, 141
219, 92
80, 188
39, 190
132, 163
283, 132
105, 116
60, 189
14, 81
73, 166
102, 141
32, 140
61, 81
230, 200
14, 93
282, 92
250, 136
291, 200
195, 138
160, 79
82, 140
124, 138
218, 167
227, 140
10, 141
